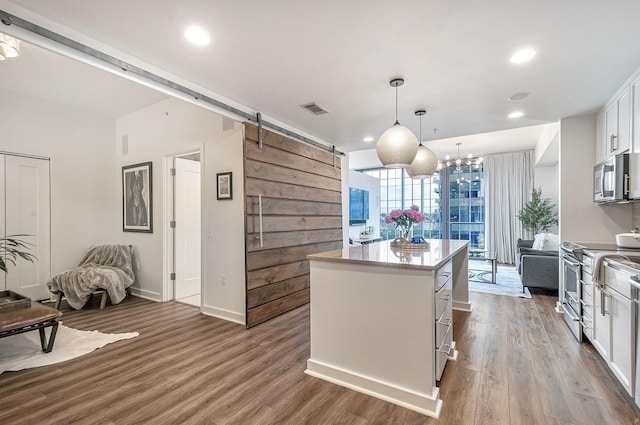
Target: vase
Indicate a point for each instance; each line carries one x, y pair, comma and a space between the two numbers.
405, 232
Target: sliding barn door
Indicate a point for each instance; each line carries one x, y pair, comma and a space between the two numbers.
293, 209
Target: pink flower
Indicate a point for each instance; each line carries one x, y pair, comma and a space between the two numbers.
420, 218
395, 213
415, 208
388, 219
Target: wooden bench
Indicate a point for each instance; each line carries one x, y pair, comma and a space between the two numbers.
27, 319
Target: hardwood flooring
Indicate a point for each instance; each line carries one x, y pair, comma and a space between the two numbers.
518, 364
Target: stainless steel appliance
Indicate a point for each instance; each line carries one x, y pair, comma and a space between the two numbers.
611, 179
572, 272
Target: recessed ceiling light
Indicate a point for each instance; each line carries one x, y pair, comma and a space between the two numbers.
197, 35
519, 96
516, 114
368, 139
523, 55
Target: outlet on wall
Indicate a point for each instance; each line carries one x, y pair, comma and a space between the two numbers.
223, 280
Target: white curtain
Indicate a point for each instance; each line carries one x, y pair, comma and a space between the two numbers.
508, 182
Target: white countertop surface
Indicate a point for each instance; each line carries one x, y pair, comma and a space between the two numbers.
382, 254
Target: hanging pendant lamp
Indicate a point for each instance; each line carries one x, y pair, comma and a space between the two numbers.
425, 162
397, 146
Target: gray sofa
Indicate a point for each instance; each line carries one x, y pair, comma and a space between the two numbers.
537, 268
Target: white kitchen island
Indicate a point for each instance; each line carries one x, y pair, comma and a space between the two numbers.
381, 320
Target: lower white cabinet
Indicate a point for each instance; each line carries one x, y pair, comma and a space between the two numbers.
601, 323
622, 339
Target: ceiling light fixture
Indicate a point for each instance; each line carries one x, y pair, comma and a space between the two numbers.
9, 47
516, 114
368, 139
397, 146
470, 160
197, 35
524, 55
519, 96
425, 162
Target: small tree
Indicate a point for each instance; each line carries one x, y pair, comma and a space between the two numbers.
538, 214
12, 248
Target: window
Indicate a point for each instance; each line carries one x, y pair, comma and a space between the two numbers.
463, 203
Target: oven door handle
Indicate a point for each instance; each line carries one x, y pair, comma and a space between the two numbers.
570, 261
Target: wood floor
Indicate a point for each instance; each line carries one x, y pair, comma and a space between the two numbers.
518, 364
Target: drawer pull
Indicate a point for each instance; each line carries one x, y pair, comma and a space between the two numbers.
448, 322
443, 350
445, 297
445, 274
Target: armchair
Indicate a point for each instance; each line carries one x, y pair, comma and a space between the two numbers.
537, 268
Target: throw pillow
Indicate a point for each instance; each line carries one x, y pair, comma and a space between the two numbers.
551, 242
539, 240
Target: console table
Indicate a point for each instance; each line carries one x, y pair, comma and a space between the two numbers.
490, 256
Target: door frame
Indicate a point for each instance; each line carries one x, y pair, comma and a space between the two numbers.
168, 214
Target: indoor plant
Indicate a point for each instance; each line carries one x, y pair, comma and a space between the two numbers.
538, 215
12, 248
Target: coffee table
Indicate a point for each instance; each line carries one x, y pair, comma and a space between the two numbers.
27, 319
484, 255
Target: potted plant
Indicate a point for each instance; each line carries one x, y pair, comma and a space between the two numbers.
12, 248
538, 215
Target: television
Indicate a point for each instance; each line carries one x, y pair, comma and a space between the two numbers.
358, 206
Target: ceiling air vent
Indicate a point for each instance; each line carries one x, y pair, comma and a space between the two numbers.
314, 108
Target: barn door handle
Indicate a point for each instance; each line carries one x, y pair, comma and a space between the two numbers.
260, 215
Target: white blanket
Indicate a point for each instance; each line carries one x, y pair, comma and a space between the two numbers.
598, 264
105, 267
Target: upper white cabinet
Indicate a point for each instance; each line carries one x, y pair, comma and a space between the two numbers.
635, 121
617, 121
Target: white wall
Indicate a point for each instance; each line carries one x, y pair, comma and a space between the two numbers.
372, 184
582, 220
83, 170
172, 127
546, 178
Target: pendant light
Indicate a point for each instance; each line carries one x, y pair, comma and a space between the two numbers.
397, 146
425, 162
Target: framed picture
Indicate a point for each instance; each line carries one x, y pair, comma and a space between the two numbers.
225, 190
137, 199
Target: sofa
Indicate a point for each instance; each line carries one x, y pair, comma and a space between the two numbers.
538, 268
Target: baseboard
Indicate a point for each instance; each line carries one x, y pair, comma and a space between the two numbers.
559, 308
228, 315
429, 405
147, 295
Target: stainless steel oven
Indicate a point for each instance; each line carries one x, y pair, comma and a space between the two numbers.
572, 273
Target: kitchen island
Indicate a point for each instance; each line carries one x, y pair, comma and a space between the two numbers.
381, 318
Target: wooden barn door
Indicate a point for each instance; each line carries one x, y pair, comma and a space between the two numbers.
298, 189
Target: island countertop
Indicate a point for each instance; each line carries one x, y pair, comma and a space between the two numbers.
383, 254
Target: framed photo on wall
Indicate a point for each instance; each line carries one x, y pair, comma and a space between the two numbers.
137, 199
225, 190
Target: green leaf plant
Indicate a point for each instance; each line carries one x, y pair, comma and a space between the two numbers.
538, 215
12, 248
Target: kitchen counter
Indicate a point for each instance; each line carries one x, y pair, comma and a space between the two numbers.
381, 319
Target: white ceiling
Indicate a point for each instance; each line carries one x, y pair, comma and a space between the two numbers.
272, 56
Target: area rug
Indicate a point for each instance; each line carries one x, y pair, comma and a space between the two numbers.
23, 351
507, 280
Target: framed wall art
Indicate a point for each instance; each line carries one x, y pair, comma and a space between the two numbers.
225, 189
137, 198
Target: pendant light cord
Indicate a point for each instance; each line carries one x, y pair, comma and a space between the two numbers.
397, 105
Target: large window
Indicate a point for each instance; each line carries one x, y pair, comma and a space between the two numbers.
463, 202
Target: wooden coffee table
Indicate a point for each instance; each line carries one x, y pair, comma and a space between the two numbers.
37, 316
490, 256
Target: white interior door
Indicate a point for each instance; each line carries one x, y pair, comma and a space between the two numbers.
27, 212
3, 276
187, 230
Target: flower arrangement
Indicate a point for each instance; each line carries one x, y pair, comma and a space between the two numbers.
404, 220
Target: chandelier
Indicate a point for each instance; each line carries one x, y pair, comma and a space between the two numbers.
9, 47
459, 161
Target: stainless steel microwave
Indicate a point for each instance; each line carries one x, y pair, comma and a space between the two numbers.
611, 179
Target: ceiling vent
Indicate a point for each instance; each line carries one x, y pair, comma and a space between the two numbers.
314, 108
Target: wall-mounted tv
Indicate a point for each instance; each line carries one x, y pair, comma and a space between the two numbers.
358, 206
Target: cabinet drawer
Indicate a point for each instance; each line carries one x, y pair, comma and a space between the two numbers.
443, 274
443, 299
443, 351
587, 292
443, 324
618, 280
587, 327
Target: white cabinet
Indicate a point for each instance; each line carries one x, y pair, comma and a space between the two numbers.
619, 309
635, 120
601, 323
617, 122
601, 136
443, 316
586, 300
